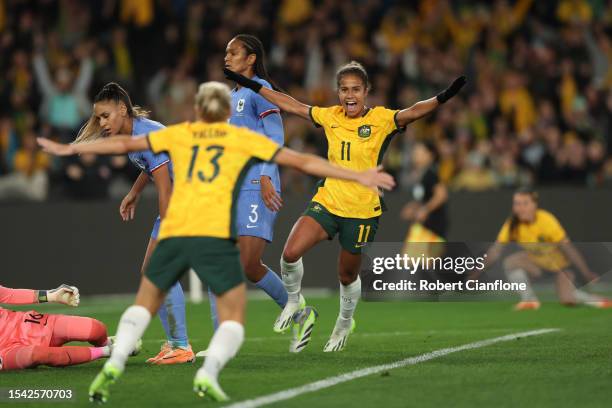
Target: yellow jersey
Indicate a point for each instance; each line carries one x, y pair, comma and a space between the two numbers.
209, 162
357, 144
539, 239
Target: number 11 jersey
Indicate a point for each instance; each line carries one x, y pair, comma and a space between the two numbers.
357, 144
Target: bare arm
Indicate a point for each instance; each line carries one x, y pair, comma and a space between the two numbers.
577, 259
112, 145
286, 103
140, 183
161, 178
422, 108
439, 197
311, 164
417, 111
283, 101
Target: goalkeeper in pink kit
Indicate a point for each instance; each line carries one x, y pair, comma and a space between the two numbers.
29, 339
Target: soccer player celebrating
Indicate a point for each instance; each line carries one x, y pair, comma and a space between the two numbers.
545, 246
357, 137
29, 339
259, 198
210, 159
113, 113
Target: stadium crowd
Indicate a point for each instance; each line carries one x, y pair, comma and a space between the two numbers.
537, 108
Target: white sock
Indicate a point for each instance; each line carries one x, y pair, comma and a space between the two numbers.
586, 298
292, 274
132, 325
224, 345
349, 297
520, 276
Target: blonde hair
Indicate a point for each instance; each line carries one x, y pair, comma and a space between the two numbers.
213, 101
110, 92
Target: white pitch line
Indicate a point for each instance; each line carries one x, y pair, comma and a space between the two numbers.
331, 381
367, 334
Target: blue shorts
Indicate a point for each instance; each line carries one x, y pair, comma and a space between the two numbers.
253, 217
155, 231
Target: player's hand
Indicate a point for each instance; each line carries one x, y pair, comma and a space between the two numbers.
408, 213
127, 209
242, 80
375, 178
591, 277
55, 148
270, 197
452, 90
421, 215
65, 294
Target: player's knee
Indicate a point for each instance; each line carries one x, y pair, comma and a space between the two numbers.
254, 269
346, 277
98, 336
291, 255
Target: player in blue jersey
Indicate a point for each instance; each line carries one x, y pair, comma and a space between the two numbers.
259, 199
113, 113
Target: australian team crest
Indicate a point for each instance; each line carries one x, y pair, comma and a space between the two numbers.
364, 131
240, 106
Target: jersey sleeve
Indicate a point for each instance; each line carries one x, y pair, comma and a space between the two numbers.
17, 296
318, 115
553, 229
389, 117
161, 140
155, 161
259, 146
504, 234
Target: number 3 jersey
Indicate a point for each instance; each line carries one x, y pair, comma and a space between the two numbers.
210, 161
357, 144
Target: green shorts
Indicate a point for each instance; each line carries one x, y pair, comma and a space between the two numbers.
353, 233
216, 261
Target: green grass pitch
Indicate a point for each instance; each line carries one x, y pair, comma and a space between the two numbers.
568, 368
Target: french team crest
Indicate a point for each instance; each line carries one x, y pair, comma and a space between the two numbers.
364, 131
240, 106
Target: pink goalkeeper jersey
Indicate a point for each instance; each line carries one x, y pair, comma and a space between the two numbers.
12, 329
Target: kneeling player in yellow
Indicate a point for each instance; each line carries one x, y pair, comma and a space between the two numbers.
544, 247
357, 138
210, 158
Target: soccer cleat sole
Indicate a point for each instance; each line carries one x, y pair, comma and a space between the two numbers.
304, 322
204, 387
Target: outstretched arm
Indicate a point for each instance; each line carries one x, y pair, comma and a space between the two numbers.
578, 260
316, 166
422, 108
65, 294
111, 145
283, 101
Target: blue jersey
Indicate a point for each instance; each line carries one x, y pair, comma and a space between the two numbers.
145, 160
253, 111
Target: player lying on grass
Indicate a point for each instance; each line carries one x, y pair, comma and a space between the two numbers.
357, 138
210, 157
545, 247
29, 339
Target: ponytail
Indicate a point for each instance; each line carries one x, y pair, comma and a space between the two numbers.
110, 92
